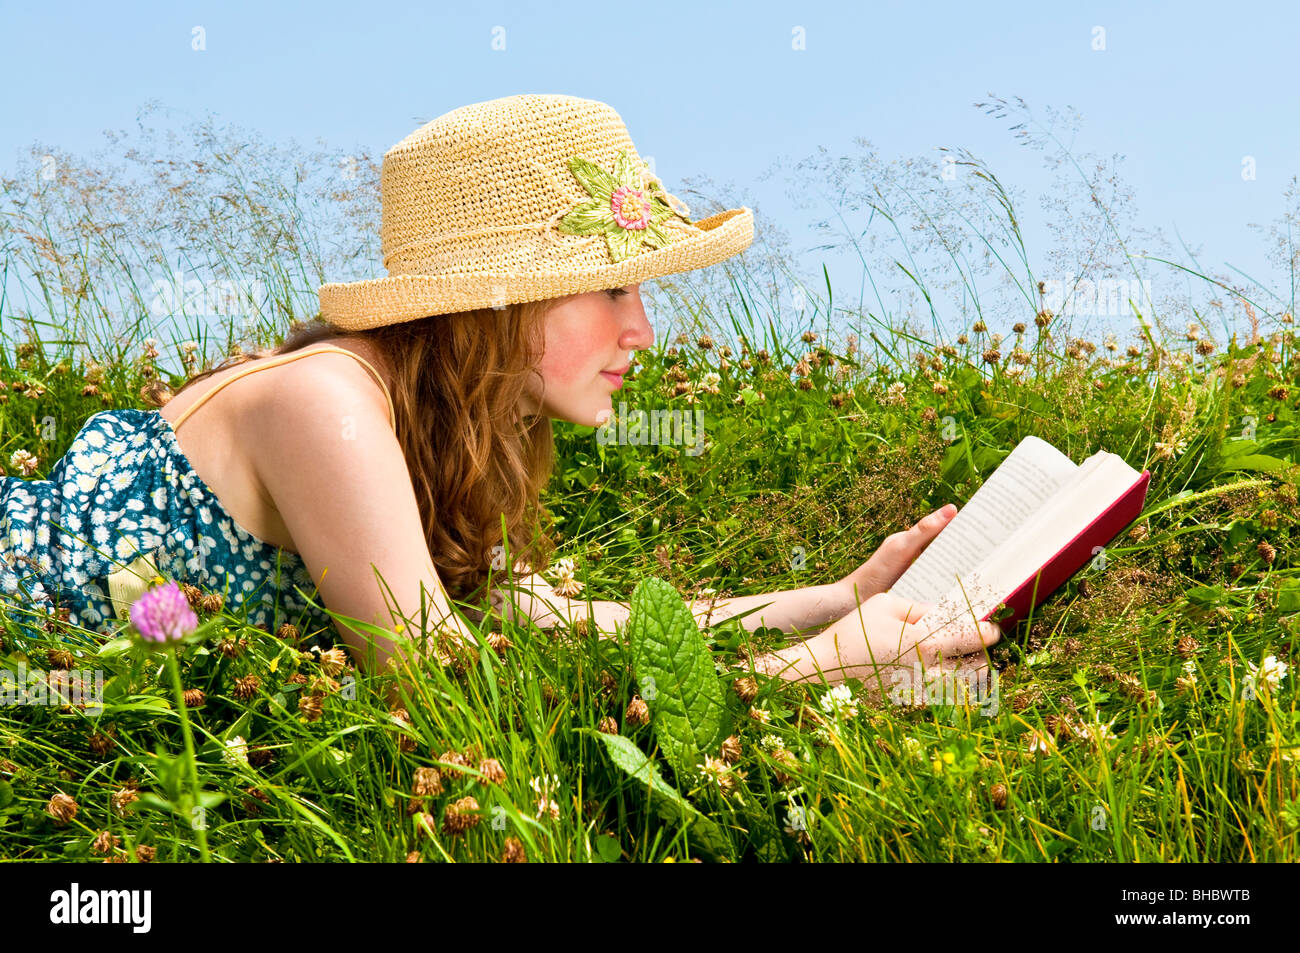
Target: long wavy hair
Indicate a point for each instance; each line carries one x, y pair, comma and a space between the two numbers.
474, 458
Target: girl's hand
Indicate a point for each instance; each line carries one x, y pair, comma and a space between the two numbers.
893, 557
880, 641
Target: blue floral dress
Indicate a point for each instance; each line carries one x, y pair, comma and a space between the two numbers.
125, 489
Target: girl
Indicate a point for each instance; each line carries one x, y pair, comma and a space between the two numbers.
397, 437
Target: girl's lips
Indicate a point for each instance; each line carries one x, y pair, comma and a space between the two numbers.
615, 379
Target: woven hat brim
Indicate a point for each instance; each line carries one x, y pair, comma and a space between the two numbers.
360, 305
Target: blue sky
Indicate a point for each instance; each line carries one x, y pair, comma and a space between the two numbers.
1184, 91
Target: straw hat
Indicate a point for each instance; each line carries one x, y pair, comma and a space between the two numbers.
518, 199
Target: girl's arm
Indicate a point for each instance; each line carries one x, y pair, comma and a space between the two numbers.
803, 609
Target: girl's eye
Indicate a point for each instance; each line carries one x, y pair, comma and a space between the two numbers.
616, 292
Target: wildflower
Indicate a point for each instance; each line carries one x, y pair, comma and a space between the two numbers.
1266, 551
311, 706
894, 394
451, 756
25, 461
427, 781
998, 794
1193, 332
710, 383
771, 742
839, 701
1041, 741
1271, 671
104, 843
492, 771
101, 743
545, 785
163, 615
796, 820
607, 725
1098, 731
761, 715
512, 852
332, 661
62, 808
246, 687
638, 713
1166, 450
236, 751
123, 798
460, 816
731, 749
194, 698
145, 854
568, 583
746, 689
705, 343
229, 647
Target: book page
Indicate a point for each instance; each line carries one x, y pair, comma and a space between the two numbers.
1031, 474
1101, 481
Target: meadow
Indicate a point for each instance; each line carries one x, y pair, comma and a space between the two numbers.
1147, 711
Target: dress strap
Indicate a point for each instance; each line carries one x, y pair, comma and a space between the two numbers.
284, 359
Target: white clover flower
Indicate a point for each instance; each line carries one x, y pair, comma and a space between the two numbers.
236, 751
839, 701
770, 742
568, 584
1189, 669
1099, 731
1040, 741
914, 748
1271, 671
25, 461
796, 819
545, 785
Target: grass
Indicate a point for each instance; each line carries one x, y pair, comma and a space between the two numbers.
820, 446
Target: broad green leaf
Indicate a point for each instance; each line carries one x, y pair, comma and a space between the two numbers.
664, 798
1288, 596
1253, 461
675, 670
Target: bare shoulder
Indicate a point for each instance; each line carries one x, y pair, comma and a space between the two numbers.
330, 378
320, 407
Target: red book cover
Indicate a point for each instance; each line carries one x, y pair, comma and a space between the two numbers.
1075, 555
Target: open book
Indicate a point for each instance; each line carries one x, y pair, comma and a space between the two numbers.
1032, 525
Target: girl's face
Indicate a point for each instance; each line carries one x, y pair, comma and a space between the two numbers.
591, 339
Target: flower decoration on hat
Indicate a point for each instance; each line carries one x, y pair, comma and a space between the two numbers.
627, 213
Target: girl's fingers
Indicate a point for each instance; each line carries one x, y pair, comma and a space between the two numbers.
959, 638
